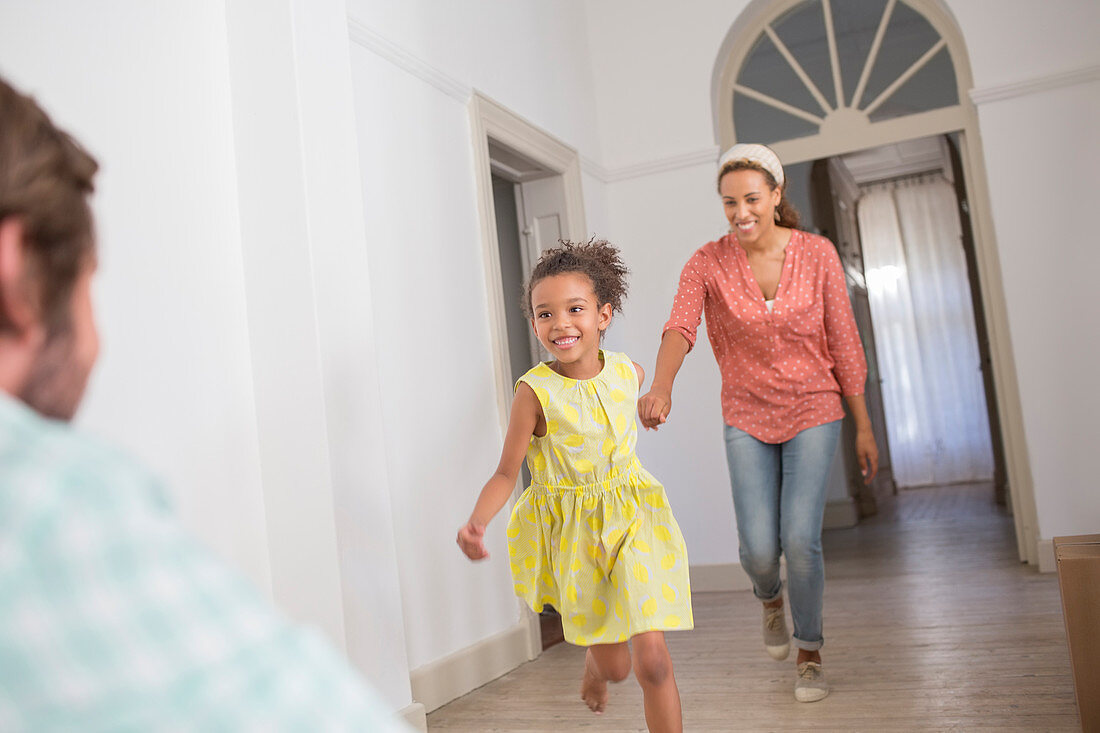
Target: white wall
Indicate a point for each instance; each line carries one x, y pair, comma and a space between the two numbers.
659, 221
1049, 262
1017, 40
174, 382
311, 324
1045, 137
428, 284
652, 80
439, 404
529, 55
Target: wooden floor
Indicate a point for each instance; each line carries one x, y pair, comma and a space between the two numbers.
931, 624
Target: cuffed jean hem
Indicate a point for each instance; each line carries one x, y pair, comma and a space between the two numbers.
764, 599
810, 646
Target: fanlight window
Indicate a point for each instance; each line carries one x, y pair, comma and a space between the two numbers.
833, 62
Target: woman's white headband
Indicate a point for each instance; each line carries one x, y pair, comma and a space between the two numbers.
761, 154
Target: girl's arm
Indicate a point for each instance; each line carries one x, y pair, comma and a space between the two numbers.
521, 426
654, 406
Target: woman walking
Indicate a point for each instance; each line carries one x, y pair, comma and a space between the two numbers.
782, 330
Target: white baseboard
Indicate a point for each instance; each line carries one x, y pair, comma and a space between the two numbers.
1045, 551
437, 683
415, 716
718, 578
841, 514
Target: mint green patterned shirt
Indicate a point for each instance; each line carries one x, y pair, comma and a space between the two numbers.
113, 618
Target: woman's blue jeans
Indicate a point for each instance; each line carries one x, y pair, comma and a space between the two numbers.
779, 498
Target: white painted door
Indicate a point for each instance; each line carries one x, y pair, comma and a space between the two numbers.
540, 205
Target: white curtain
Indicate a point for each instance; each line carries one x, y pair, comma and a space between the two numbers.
917, 284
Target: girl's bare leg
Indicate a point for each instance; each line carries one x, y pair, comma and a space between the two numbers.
653, 670
603, 663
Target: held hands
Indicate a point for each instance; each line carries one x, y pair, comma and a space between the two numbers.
867, 452
653, 408
471, 538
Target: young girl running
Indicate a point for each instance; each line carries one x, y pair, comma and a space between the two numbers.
593, 535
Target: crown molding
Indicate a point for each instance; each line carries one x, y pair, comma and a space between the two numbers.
407, 61
594, 169
1033, 86
372, 41
708, 155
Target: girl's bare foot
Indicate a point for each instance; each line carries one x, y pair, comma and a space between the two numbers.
593, 686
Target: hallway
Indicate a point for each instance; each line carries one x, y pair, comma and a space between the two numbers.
931, 624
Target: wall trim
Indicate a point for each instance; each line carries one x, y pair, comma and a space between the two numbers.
415, 716
841, 514
408, 62
708, 156
1035, 85
594, 169
412, 64
1044, 548
491, 120
437, 683
719, 578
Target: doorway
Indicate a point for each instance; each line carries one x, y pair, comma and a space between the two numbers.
821, 78
529, 197
528, 202
530, 217
899, 215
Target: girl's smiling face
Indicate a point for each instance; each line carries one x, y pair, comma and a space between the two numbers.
749, 203
569, 321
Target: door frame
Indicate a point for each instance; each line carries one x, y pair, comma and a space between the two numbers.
490, 120
962, 118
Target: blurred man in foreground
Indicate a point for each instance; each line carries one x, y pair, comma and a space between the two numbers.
111, 616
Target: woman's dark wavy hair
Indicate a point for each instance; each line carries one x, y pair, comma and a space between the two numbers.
596, 259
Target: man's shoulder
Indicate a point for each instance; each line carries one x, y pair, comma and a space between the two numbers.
46, 463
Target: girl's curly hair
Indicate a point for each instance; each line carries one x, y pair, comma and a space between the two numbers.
596, 259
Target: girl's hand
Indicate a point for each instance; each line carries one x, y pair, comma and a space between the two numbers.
653, 408
867, 452
471, 538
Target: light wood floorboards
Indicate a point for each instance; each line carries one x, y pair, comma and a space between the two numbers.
930, 620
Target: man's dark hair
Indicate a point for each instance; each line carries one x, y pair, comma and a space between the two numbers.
45, 180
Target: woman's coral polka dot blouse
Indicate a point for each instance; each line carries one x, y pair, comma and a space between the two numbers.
782, 371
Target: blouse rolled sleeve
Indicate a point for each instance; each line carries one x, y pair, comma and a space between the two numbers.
841, 334
687, 306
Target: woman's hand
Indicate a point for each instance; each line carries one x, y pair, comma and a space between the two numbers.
471, 538
653, 408
867, 453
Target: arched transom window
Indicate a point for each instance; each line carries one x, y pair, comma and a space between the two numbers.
813, 77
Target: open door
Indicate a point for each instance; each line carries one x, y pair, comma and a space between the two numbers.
1000, 473
834, 195
541, 206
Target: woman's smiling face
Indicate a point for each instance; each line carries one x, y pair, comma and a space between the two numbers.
749, 203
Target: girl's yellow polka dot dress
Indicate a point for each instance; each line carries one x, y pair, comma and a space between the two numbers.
593, 535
